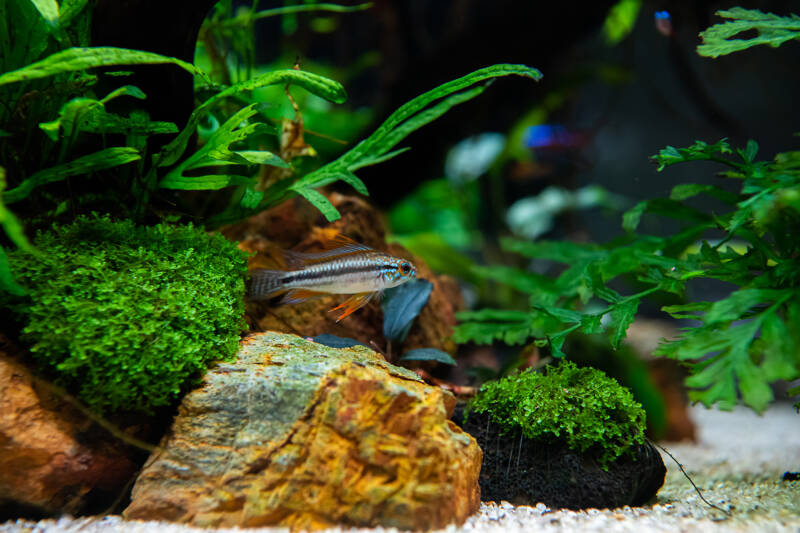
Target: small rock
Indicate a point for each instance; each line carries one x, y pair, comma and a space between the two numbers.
525, 472
52, 458
301, 435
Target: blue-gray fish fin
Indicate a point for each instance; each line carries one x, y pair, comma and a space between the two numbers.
265, 284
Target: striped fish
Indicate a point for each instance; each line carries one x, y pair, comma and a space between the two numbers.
345, 268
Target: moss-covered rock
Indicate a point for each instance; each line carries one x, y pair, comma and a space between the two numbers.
125, 315
580, 407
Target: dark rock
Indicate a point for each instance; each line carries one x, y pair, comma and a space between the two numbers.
525, 472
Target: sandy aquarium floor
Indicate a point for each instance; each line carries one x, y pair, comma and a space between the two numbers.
738, 463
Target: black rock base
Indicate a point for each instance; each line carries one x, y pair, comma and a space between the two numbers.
525, 471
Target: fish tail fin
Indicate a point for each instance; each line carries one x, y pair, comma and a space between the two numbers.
264, 284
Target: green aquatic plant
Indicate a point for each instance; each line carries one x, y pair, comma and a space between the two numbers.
773, 30
50, 76
740, 344
581, 407
127, 315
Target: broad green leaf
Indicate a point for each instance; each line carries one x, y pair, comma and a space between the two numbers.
262, 157
622, 315
781, 353
488, 325
69, 118
631, 217
49, 11
76, 59
10, 223
620, 20
685, 191
7, 282
564, 315
108, 158
401, 305
750, 151
773, 30
591, 324
318, 200
428, 354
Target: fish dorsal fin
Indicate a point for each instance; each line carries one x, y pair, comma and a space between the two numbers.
338, 246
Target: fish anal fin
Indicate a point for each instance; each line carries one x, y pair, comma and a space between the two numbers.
352, 304
296, 296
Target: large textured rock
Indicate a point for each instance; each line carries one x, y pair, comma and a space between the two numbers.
295, 224
526, 471
53, 459
301, 435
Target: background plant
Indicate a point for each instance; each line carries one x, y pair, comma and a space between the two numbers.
42, 188
739, 344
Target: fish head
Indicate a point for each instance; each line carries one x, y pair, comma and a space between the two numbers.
401, 271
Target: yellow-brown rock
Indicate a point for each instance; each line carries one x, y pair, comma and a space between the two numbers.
298, 434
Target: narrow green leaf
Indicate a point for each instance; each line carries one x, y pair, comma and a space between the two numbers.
318, 200
208, 182
289, 9
428, 354
738, 303
355, 182
75, 59
108, 158
562, 251
557, 340
263, 157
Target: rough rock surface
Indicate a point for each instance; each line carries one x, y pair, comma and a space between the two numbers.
52, 458
526, 472
297, 225
301, 435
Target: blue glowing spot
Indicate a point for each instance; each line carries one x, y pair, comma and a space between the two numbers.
547, 135
663, 15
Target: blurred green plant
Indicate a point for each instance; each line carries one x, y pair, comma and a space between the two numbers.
725, 352
741, 344
127, 315
582, 407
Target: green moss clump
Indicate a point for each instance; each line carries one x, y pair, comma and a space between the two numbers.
582, 407
124, 314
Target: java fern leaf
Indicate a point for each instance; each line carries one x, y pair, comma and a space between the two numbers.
773, 30
379, 146
108, 158
82, 58
315, 84
218, 151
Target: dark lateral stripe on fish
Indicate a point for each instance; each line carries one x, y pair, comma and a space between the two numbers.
314, 274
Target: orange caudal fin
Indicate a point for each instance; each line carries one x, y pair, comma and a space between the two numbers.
352, 304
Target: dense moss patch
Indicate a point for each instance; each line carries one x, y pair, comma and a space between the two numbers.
581, 407
126, 314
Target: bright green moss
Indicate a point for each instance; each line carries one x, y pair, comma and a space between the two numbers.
581, 407
126, 315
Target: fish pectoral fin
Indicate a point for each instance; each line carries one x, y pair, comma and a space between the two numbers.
355, 302
295, 296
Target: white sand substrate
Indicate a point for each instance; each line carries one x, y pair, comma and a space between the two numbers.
738, 463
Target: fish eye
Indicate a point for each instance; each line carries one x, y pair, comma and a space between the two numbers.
405, 268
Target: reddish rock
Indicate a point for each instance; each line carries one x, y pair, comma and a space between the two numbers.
51, 455
300, 435
295, 224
